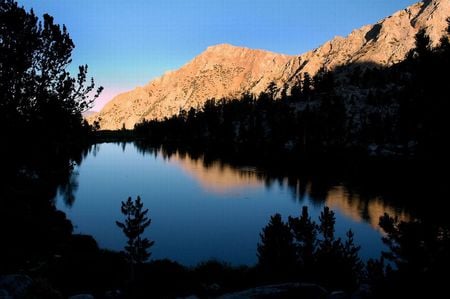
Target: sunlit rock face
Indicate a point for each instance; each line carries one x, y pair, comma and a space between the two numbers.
229, 71
221, 71
384, 43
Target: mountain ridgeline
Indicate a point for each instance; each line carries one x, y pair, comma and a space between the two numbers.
226, 71
364, 109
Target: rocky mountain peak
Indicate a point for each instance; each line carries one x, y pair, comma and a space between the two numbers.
220, 71
225, 70
222, 48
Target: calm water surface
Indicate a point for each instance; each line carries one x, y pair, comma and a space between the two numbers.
202, 212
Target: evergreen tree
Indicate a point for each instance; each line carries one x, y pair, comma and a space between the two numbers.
323, 81
296, 90
445, 42
420, 252
422, 47
304, 231
306, 85
135, 223
328, 263
276, 251
327, 222
352, 264
38, 93
272, 89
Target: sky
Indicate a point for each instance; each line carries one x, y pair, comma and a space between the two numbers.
126, 43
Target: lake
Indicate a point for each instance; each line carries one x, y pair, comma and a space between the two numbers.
200, 210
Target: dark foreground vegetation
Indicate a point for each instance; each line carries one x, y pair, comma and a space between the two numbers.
45, 136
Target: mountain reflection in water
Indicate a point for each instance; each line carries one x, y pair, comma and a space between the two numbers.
222, 178
218, 177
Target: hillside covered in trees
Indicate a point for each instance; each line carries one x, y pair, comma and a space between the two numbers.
365, 109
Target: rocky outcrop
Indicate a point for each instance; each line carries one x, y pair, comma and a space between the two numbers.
384, 43
221, 71
228, 71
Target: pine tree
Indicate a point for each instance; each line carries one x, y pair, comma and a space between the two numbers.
38, 94
296, 90
422, 47
276, 252
305, 235
352, 264
135, 223
327, 222
307, 85
337, 263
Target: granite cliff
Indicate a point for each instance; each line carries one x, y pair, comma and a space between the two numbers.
229, 71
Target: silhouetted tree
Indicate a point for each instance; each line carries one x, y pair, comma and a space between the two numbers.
445, 42
135, 223
337, 263
420, 252
43, 135
296, 90
422, 46
376, 272
326, 260
38, 93
323, 81
276, 251
306, 84
326, 226
272, 89
284, 90
352, 264
304, 231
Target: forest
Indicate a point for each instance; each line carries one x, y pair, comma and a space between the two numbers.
357, 109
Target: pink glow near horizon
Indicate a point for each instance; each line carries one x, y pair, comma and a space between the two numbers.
107, 95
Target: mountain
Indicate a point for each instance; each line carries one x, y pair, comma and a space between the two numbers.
229, 71
384, 43
221, 71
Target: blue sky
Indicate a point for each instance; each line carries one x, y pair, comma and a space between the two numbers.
126, 43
